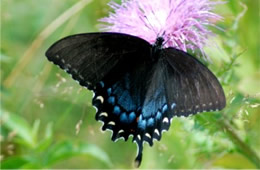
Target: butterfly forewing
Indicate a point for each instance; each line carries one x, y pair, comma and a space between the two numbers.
191, 85
90, 57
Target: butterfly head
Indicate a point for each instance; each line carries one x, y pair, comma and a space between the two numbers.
157, 47
159, 42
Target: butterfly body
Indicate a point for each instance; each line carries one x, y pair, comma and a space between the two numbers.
157, 48
138, 87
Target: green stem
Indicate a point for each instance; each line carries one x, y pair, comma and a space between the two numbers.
242, 146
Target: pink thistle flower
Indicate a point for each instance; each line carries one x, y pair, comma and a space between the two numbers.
182, 23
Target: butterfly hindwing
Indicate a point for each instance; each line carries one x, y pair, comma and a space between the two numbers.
191, 85
135, 104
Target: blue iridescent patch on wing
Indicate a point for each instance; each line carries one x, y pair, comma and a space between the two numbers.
132, 117
150, 122
124, 118
126, 115
116, 110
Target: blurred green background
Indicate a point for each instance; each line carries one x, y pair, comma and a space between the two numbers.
41, 105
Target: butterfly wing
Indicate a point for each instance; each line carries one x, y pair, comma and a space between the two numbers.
117, 67
190, 85
134, 104
90, 57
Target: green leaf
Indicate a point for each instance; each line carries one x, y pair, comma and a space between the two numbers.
16, 123
46, 142
66, 150
13, 162
35, 129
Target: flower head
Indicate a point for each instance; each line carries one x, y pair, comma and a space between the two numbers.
182, 23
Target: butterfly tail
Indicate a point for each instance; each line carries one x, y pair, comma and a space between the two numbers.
138, 158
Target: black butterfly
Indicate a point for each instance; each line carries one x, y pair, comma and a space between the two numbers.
138, 87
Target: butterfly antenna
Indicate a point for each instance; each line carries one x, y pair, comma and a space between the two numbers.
157, 21
168, 39
150, 26
165, 42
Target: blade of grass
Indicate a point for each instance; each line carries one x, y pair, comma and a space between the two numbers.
20, 126
36, 44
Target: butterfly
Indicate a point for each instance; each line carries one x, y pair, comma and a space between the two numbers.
138, 86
